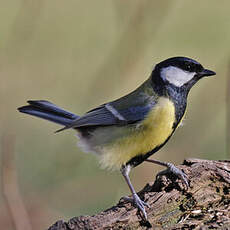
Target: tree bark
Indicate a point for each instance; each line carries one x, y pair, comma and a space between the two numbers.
205, 205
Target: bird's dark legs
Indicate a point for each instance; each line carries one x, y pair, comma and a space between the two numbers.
135, 199
171, 168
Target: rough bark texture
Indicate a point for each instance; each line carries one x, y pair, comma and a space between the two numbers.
205, 205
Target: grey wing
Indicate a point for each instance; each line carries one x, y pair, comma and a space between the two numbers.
106, 115
99, 116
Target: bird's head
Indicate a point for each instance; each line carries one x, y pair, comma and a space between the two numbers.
181, 71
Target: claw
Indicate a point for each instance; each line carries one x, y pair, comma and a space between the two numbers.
173, 169
138, 203
177, 172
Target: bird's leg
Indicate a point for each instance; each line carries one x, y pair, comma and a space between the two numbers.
135, 199
173, 169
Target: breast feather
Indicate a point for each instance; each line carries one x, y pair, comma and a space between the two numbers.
147, 135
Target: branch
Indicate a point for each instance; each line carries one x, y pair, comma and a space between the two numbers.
205, 204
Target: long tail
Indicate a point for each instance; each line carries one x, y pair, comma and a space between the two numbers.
48, 111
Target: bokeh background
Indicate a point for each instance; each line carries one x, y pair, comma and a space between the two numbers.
80, 54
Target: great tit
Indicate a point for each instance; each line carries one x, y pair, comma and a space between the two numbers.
127, 131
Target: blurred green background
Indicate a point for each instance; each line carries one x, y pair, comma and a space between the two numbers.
80, 54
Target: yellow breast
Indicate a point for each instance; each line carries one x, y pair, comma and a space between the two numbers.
144, 137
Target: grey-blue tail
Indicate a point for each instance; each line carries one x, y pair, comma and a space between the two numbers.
48, 111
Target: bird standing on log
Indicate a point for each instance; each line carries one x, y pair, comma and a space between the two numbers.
125, 132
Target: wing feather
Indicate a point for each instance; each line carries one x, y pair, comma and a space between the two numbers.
129, 109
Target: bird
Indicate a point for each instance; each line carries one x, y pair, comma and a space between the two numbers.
125, 132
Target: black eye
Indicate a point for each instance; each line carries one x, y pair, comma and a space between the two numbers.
193, 67
189, 67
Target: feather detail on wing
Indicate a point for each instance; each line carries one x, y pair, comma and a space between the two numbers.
126, 110
108, 115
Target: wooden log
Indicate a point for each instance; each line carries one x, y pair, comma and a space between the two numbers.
205, 205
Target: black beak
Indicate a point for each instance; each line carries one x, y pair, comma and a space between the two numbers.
206, 72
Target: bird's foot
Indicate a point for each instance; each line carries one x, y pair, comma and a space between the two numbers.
138, 203
171, 168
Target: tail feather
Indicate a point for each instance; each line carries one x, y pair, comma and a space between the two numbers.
48, 111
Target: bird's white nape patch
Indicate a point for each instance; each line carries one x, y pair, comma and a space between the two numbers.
176, 76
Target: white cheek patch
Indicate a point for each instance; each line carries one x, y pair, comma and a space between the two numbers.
176, 76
